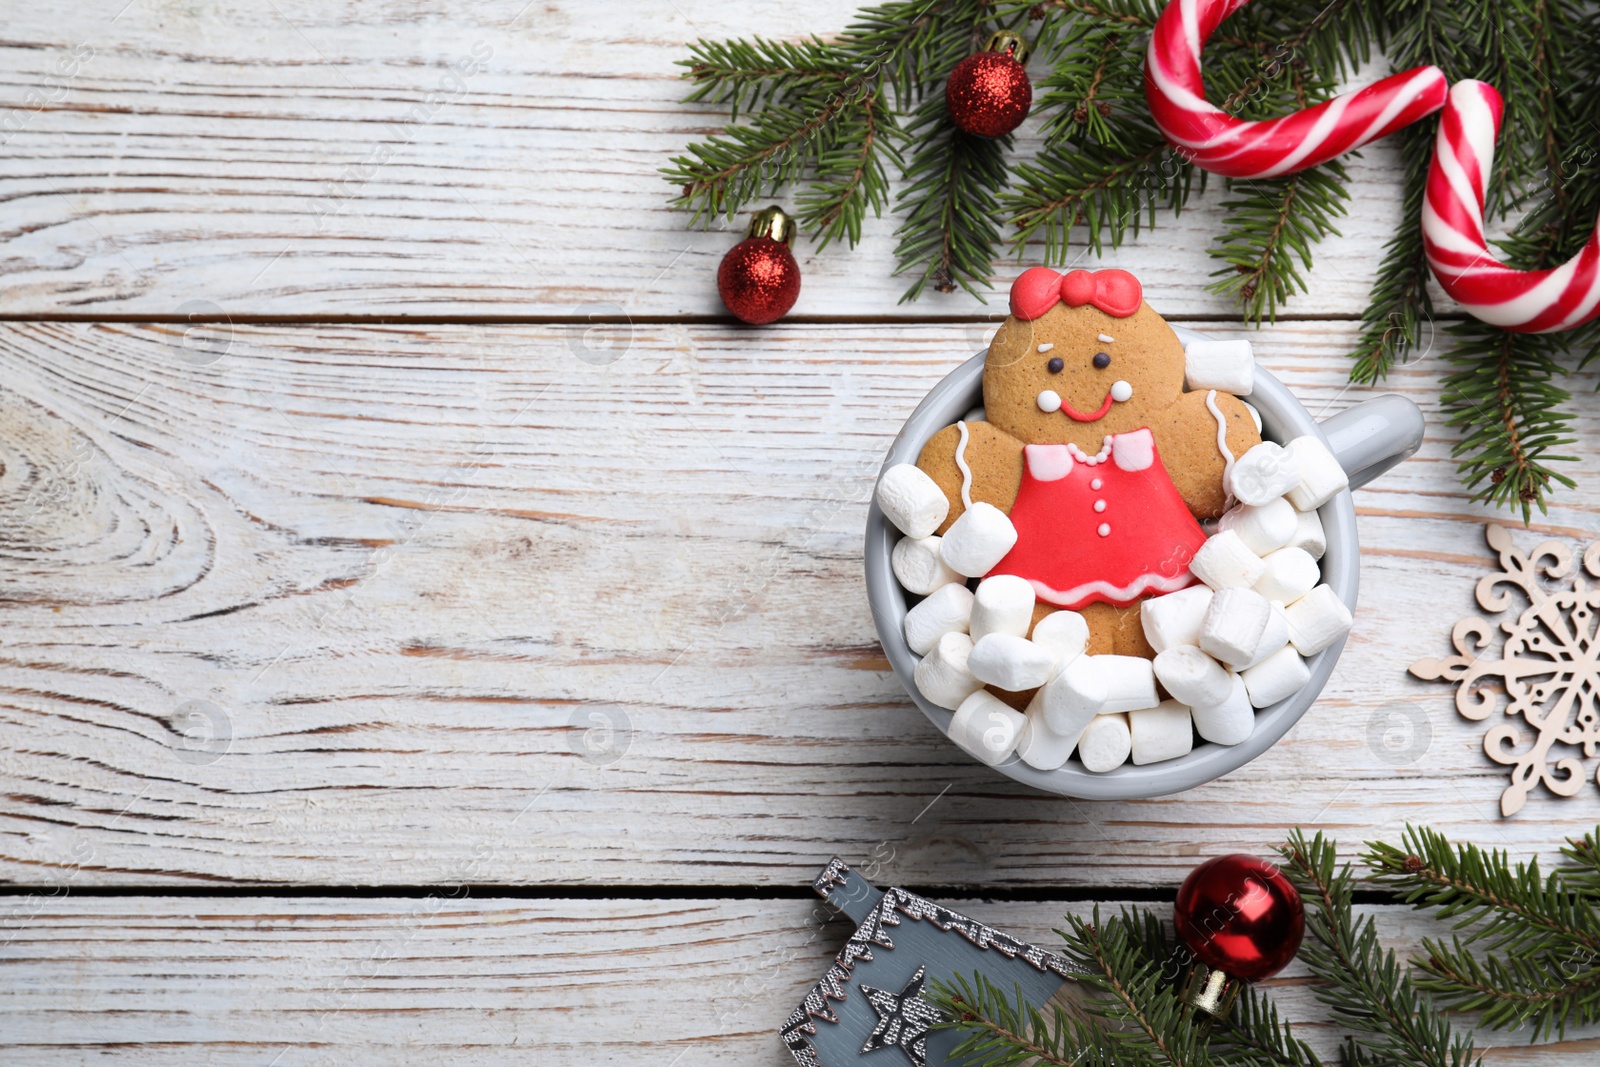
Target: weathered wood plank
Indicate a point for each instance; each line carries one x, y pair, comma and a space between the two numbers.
427, 159
404, 575
299, 982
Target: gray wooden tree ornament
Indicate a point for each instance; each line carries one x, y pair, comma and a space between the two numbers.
902, 943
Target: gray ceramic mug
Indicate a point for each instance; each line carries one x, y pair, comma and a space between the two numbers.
1368, 439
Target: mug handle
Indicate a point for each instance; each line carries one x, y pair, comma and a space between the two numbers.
1373, 436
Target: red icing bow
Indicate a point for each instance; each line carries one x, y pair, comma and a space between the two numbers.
1116, 292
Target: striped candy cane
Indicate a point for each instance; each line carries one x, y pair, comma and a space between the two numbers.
1218, 142
1526, 301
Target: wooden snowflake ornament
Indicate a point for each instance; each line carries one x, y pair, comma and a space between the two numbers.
1548, 666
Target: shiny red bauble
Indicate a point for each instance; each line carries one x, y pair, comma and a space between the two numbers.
988, 94
1241, 916
759, 280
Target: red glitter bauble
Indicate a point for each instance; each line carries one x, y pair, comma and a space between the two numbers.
1241, 916
759, 280
988, 94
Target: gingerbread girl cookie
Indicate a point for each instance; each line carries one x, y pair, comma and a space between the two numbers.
1106, 623
1094, 449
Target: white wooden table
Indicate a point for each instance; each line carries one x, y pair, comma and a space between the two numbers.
313, 615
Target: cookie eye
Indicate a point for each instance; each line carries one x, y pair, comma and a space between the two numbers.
1055, 365
1102, 360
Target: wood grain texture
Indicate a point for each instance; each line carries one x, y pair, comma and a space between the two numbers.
305, 982
367, 157
355, 605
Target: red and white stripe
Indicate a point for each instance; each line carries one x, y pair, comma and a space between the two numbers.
1216, 141
1526, 301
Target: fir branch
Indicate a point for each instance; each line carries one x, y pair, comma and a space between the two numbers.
912, 44
1132, 991
1391, 321
1365, 987
821, 113
725, 172
1511, 907
1095, 88
743, 74
1253, 1034
1110, 192
952, 227
1270, 231
1458, 39
1583, 855
1546, 930
1546, 991
1503, 395
850, 177
1003, 1030
1132, 13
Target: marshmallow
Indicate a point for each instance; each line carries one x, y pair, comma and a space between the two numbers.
1280, 675
1265, 528
986, 727
1234, 624
1274, 637
917, 565
1039, 746
1224, 562
1161, 732
946, 610
1003, 605
1317, 620
1264, 473
1013, 663
1098, 685
1130, 683
1227, 366
911, 500
942, 675
1308, 534
1105, 744
1064, 633
1322, 477
1255, 416
978, 540
1291, 574
1174, 619
1230, 720
1191, 676
1074, 696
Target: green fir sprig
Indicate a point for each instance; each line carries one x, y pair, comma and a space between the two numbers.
1527, 946
1363, 984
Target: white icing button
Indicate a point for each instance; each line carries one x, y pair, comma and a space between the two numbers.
1105, 529
1095, 484
1121, 391
1099, 505
1046, 347
1049, 401
1107, 340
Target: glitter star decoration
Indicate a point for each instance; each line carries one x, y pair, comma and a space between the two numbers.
1548, 667
904, 1019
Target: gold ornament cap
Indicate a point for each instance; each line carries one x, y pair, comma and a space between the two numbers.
1209, 995
773, 222
1006, 41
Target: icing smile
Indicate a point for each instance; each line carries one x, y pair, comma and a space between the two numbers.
1050, 402
1077, 416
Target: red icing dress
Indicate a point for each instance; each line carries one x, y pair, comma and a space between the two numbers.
1110, 527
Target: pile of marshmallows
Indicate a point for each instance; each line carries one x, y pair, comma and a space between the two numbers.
1224, 648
